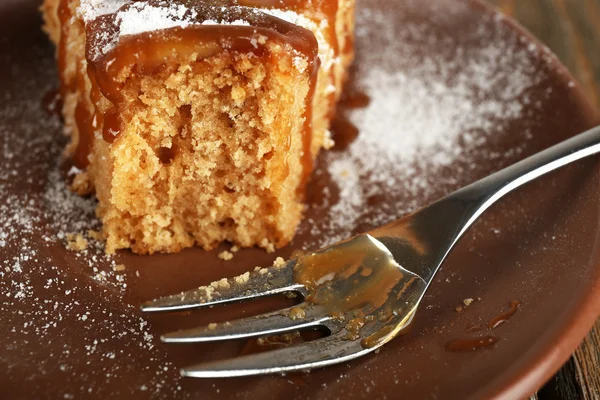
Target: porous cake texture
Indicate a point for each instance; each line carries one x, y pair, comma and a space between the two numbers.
197, 122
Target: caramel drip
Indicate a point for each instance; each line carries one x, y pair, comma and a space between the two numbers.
307, 159
84, 121
343, 131
505, 316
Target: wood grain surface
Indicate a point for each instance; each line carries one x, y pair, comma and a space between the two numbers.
571, 28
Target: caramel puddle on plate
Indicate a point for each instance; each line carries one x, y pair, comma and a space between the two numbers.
344, 132
483, 342
505, 316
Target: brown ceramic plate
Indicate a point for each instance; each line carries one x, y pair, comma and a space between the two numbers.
456, 92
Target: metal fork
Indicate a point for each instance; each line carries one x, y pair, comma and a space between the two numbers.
364, 290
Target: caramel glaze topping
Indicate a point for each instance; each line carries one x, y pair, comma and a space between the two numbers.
149, 52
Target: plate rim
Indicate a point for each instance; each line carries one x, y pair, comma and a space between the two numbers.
534, 374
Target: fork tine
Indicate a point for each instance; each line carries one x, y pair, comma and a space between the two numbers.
260, 325
319, 353
259, 283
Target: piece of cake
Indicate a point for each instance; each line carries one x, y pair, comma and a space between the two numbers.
197, 122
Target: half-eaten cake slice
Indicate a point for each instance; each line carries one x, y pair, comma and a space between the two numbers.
197, 122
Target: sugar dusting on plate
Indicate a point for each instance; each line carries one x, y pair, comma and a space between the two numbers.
431, 115
445, 111
78, 297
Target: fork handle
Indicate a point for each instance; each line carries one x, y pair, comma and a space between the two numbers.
439, 226
487, 191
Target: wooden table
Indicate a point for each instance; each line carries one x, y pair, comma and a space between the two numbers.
571, 28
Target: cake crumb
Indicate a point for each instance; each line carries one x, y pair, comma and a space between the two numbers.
234, 249
208, 292
212, 326
221, 284
119, 267
96, 235
279, 262
467, 302
328, 142
81, 184
76, 242
297, 313
268, 246
225, 255
242, 278
459, 309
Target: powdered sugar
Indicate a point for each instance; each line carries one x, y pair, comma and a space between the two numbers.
134, 18
75, 302
144, 17
89, 10
435, 109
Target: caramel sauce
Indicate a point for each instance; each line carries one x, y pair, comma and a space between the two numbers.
468, 345
360, 284
353, 99
307, 159
474, 344
375, 339
505, 316
84, 122
343, 132
111, 125
320, 271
